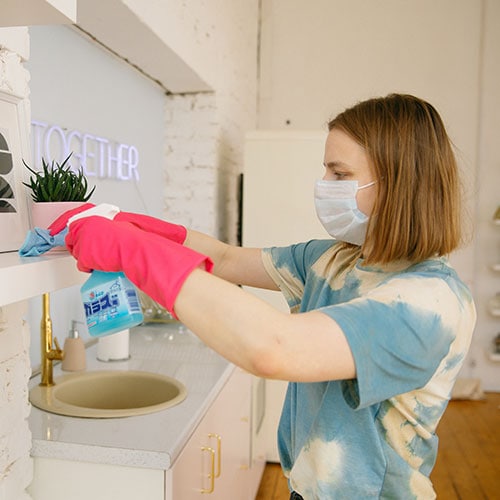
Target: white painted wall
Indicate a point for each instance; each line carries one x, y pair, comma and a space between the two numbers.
78, 85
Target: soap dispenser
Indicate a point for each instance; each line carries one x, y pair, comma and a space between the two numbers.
74, 351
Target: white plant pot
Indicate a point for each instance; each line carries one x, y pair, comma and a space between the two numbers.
44, 213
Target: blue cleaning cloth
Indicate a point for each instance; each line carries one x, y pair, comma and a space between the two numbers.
38, 241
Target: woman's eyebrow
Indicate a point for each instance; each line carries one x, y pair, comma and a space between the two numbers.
334, 164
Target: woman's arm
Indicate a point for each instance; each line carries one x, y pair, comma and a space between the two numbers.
235, 323
241, 266
304, 347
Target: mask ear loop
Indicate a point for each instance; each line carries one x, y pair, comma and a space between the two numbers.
367, 185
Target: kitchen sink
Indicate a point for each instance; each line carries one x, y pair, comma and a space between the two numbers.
108, 394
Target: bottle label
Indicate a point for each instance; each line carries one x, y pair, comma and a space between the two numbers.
109, 301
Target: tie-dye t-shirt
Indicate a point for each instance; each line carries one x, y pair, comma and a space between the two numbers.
409, 328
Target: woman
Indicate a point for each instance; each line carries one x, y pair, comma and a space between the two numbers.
382, 322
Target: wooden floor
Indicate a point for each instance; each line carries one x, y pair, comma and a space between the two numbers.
468, 463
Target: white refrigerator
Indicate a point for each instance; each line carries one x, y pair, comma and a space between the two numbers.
280, 168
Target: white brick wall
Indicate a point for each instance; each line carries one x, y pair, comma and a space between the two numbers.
204, 137
191, 138
205, 132
13, 77
16, 468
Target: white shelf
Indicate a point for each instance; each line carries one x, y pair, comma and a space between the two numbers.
26, 277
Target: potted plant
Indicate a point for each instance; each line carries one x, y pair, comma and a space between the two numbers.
55, 189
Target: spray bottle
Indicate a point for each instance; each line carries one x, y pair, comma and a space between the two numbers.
111, 303
110, 300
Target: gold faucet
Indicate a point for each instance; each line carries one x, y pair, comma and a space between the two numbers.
48, 353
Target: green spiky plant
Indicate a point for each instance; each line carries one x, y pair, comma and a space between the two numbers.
57, 182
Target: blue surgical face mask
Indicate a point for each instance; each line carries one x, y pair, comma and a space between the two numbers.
338, 210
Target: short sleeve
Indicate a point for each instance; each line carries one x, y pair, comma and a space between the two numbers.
289, 266
399, 334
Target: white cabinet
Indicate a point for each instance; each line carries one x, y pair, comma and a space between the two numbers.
217, 460
55, 479
217, 457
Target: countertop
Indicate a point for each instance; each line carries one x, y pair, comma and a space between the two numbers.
154, 440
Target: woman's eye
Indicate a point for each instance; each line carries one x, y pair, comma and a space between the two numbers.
333, 171
339, 175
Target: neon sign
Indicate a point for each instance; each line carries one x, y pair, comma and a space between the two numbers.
99, 157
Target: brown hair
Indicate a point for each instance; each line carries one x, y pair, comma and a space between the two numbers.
417, 210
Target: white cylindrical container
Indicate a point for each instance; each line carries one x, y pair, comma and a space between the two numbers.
114, 347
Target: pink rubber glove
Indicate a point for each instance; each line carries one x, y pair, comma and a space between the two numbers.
154, 264
60, 223
173, 232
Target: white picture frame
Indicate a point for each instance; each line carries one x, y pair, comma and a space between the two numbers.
14, 147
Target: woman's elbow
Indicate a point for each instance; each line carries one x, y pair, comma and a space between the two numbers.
266, 362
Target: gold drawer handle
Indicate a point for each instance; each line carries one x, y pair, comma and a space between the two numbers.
212, 469
219, 446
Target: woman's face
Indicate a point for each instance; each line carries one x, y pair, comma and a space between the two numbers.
346, 160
